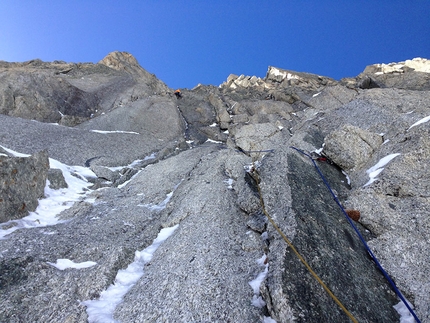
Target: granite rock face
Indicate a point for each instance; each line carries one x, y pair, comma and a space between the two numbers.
69, 93
23, 180
411, 74
351, 147
205, 162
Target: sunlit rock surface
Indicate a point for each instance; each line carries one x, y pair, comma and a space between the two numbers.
137, 159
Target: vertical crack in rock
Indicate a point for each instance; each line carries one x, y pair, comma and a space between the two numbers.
334, 251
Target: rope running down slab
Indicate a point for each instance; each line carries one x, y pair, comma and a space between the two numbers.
257, 180
396, 290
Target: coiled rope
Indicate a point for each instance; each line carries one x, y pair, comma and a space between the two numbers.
256, 178
396, 290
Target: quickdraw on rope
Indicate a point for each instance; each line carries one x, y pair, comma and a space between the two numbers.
396, 290
255, 176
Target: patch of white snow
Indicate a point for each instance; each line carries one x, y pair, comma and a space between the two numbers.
163, 204
374, 171
348, 180
257, 300
423, 120
102, 309
62, 264
116, 131
319, 151
213, 141
229, 183
405, 315
134, 163
264, 236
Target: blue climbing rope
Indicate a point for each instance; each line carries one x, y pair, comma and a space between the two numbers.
393, 285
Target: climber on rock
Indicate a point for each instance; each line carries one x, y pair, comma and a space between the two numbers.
178, 94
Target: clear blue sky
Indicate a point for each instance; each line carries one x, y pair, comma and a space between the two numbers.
189, 42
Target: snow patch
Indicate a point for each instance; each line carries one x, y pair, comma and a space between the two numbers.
348, 180
126, 182
116, 131
163, 204
55, 201
405, 314
257, 300
374, 171
319, 151
229, 183
423, 120
62, 264
213, 141
264, 236
134, 163
102, 309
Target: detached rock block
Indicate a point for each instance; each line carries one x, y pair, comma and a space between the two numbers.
105, 173
22, 183
255, 136
351, 147
56, 179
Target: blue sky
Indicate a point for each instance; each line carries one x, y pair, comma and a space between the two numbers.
189, 42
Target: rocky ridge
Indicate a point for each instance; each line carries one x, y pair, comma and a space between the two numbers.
158, 161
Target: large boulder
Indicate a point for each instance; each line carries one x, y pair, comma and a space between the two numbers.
23, 181
351, 147
254, 137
